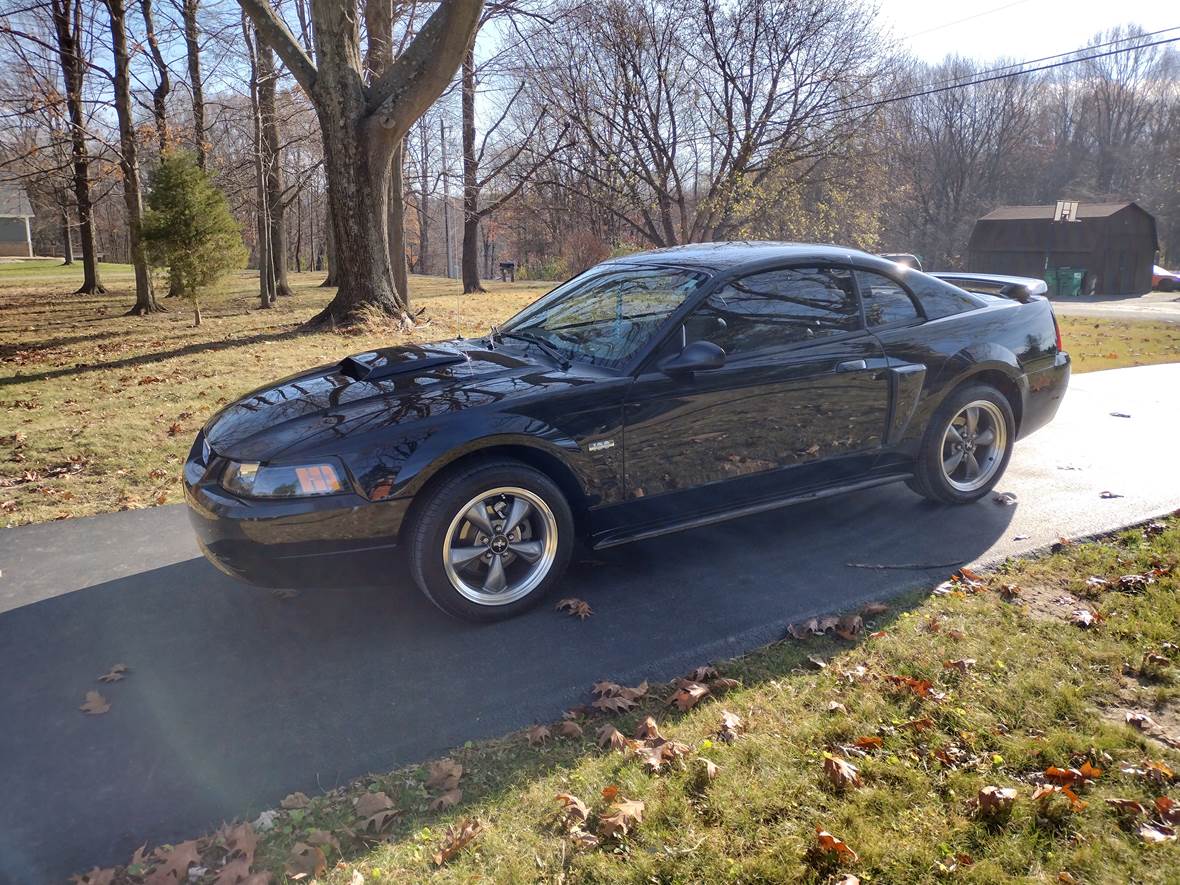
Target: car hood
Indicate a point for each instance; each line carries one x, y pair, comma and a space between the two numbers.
364, 393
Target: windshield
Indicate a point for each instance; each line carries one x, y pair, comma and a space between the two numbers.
607, 314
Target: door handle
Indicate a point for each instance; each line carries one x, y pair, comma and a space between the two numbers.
852, 366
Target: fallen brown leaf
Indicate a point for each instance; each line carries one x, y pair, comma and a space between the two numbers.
841, 772
994, 801
95, 704
688, 695
1168, 809
647, 730
444, 774
1140, 720
731, 726
568, 729
722, 685
609, 736
369, 804
174, 863
234, 872
295, 800
613, 704
577, 608
873, 609
1127, 806
1154, 833
573, 809
708, 767
537, 735
868, 742
849, 626
702, 674
620, 818
963, 665
456, 838
449, 799
833, 845
116, 673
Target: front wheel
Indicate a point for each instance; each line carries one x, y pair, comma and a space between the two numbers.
491, 540
966, 447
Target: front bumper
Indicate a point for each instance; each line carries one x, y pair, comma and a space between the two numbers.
288, 543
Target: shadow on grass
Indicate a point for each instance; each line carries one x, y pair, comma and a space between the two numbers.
156, 356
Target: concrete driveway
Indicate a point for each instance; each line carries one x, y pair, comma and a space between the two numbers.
236, 698
1163, 306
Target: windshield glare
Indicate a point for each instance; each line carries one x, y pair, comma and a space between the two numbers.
606, 315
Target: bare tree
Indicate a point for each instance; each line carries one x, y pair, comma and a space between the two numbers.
474, 154
192, 42
163, 80
680, 112
145, 299
362, 126
67, 22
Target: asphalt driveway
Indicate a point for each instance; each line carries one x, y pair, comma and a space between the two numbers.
1164, 306
236, 698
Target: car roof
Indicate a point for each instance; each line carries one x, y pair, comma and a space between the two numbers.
735, 254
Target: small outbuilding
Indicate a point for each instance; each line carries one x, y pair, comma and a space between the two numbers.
16, 238
1111, 247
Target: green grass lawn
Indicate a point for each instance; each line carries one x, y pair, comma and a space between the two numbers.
987, 683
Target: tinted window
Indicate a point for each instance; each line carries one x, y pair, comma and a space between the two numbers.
884, 300
938, 299
776, 308
605, 315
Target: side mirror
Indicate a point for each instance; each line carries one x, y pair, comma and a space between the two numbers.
697, 357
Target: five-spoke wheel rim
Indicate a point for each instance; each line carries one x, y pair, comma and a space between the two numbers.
500, 546
973, 445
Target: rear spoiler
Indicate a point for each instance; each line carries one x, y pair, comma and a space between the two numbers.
1022, 289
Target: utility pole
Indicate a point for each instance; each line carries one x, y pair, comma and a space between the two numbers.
442, 127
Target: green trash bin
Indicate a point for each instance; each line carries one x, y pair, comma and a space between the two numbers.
1069, 281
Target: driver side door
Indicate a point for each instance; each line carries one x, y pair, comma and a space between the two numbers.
800, 402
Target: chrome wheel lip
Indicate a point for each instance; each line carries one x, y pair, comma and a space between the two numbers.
988, 456
542, 521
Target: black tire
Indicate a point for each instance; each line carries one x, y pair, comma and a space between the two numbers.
444, 507
930, 479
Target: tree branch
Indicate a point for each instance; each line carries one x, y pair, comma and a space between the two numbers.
278, 36
420, 74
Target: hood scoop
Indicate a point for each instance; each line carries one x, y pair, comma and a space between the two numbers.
379, 364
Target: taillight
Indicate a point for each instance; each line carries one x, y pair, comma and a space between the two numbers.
1057, 329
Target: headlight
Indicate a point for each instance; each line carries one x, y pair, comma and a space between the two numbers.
295, 481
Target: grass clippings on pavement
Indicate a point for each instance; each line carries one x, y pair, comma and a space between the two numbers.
978, 733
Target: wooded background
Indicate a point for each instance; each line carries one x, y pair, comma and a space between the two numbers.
572, 129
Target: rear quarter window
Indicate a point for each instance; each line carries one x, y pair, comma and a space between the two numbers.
940, 299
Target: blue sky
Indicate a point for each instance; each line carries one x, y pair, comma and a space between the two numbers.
1020, 29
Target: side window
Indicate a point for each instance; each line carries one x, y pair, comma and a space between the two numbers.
776, 308
885, 301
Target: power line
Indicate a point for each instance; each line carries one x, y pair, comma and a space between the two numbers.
1072, 52
960, 21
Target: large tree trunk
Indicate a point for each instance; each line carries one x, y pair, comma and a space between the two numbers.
470, 262
192, 41
67, 20
361, 125
145, 299
397, 224
271, 148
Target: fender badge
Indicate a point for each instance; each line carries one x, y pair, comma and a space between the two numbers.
601, 445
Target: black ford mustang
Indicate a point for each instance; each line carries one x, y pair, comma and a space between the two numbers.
651, 393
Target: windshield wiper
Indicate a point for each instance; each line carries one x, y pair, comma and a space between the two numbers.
541, 343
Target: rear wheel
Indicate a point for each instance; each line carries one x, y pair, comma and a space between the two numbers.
966, 447
491, 540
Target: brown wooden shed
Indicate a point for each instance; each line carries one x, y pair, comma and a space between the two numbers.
1115, 243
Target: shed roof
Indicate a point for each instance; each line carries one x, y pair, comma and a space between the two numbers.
14, 202
1035, 213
